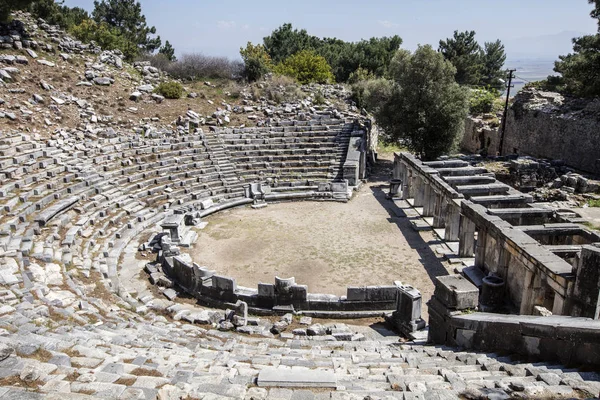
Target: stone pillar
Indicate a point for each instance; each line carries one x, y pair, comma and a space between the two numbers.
428, 201
439, 215
406, 182
419, 191
532, 293
559, 305
480, 248
587, 282
466, 236
452, 221
399, 168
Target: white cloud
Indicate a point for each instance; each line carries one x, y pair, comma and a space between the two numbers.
388, 24
226, 24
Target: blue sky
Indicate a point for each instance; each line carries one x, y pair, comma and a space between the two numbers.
528, 28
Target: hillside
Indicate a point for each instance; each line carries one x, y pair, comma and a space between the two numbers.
50, 82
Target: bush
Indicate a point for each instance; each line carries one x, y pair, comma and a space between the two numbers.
359, 75
481, 101
197, 66
103, 35
278, 88
257, 62
370, 94
306, 67
171, 90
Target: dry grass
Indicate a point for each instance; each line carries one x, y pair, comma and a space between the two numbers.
146, 372
15, 381
41, 354
72, 377
125, 381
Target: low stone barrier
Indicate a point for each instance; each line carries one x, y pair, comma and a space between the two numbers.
568, 340
284, 295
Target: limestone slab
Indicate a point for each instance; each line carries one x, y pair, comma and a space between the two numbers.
296, 377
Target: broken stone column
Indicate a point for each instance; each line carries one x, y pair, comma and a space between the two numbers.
407, 317
173, 224
394, 187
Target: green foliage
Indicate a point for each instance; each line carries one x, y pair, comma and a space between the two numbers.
463, 51
171, 90
426, 108
580, 70
372, 94
594, 202
56, 13
104, 35
493, 59
481, 101
475, 66
126, 16
553, 83
168, 51
361, 74
306, 67
373, 55
257, 61
7, 6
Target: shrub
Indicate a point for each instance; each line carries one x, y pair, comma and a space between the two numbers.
359, 75
278, 88
306, 67
370, 94
171, 90
481, 101
103, 35
257, 62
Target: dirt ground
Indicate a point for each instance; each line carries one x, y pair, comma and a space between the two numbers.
324, 245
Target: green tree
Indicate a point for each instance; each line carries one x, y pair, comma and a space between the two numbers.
427, 107
257, 61
104, 35
493, 60
373, 55
463, 51
306, 67
127, 17
286, 41
580, 70
168, 51
56, 13
7, 6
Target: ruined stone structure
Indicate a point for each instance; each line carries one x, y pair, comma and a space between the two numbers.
543, 125
78, 320
518, 259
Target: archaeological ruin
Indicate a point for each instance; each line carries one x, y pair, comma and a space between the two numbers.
102, 212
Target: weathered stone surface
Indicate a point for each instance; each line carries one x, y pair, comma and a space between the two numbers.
299, 377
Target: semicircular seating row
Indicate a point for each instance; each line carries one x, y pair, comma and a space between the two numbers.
79, 201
